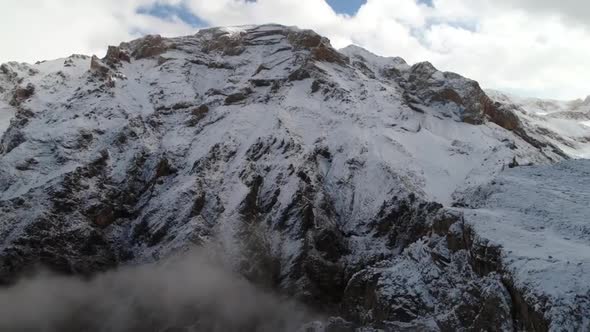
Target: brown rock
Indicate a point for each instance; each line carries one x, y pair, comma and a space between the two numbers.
105, 217
226, 44
328, 54
21, 94
115, 55
97, 66
448, 95
304, 39
501, 116
477, 105
200, 111
238, 96
164, 168
198, 114
150, 46
320, 47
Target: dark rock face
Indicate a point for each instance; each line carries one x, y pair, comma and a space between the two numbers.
504, 115
198, 114
224, 43
72, 252
98, 67
11, 140
526, 317
115, 55
21, 94
237, 97
419, 284
319, 46
447, 88
49, 239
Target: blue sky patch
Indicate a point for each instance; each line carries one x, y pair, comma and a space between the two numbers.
349, 7
428, 3
469, 25
168, 12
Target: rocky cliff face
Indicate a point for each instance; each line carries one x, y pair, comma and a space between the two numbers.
324, 175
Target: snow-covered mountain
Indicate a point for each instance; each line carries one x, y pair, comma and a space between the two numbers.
339, 178
564, 124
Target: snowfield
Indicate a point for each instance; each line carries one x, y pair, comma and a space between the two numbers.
540, 216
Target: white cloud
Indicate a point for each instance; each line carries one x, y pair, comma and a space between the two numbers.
571, 12
33, 30
535, 48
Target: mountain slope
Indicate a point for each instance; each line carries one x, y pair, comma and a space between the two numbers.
565, 124
539, 217
324, 175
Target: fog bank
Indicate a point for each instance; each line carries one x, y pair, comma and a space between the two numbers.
187, 293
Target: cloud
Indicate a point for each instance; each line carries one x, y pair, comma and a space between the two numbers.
33, 30
193, 291
534, 48
574, 12
172, 13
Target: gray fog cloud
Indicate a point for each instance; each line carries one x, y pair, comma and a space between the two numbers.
571, 11
574, 13
191, 292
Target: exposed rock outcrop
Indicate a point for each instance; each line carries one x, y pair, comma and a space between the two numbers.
21, 94
97, 66
115, 55
148, 46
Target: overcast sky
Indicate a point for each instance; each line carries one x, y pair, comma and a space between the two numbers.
538, 48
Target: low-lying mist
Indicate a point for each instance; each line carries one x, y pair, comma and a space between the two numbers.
191, 292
